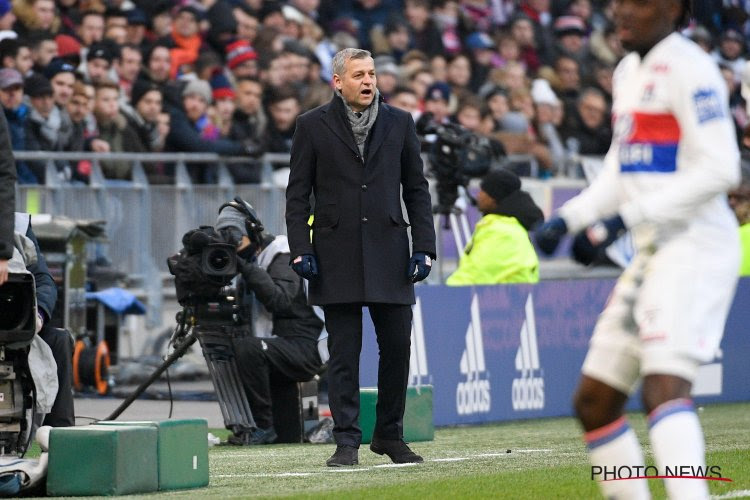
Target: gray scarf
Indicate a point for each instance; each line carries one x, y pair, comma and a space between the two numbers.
362, 124
50, 127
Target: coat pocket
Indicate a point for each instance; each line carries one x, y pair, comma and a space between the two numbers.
399, 221
326, 217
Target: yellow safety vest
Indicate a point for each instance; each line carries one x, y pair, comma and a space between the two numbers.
745, 244
499, 252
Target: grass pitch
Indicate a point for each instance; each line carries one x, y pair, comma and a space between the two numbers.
547, 460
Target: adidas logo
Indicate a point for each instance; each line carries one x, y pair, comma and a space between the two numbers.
473, 396
418, 371
528, 389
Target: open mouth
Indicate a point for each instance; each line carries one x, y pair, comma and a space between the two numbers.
366, 92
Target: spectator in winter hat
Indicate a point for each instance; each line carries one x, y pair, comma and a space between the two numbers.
7, 18
142, 115
62, 77
98, 62
437, 102
224, 106
136, 26
730, 51
242, 59
68, 49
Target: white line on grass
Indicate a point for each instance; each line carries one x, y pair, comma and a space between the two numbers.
454, 459
394, 465
732, 494
532, 450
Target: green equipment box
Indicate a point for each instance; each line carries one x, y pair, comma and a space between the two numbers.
182, 451
97, 460
418, 424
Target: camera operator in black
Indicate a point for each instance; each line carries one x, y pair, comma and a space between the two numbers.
289, 351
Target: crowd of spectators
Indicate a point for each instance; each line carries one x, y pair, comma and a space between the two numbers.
231, 76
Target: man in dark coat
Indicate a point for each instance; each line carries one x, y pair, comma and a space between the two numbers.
7, 198
355, 154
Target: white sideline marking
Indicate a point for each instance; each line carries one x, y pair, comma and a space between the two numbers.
395, 465
532, 450
482, 455
732, 494
454, 459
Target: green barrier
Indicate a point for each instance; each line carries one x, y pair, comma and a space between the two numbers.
418, 424
96, 460
182, 451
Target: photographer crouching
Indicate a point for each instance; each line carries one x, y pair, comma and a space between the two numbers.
285, 344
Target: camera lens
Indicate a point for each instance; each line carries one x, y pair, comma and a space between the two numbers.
219, 260
14, 306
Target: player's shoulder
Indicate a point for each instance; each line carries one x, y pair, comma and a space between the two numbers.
683, 58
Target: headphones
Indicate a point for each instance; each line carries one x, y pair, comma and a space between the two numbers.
253, 225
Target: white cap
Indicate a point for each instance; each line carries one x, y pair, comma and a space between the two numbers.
542, 93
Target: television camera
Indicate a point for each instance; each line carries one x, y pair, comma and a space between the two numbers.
204, 270
456, 155
17, 393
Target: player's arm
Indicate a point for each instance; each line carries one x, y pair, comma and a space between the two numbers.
708, 150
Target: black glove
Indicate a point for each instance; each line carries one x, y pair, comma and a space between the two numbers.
589, 244
549, 234
420, 266
306, 265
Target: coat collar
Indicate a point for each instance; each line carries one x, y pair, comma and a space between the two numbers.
334, 116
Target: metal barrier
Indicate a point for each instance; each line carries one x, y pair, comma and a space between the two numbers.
145, 222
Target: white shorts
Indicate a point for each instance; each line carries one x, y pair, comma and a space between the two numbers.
666, 314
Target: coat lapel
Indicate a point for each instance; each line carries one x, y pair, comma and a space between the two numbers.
379, 130
335, 119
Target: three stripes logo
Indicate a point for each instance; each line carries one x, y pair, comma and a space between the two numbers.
528, 389
418, 371
473, 395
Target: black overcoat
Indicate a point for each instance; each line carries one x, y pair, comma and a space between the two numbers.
359, 233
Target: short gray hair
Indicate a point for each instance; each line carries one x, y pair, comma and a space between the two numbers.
342, 56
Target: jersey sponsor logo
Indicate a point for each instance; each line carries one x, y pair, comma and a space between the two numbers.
528, 389
473, 395
418, 372
648, 142
707, 105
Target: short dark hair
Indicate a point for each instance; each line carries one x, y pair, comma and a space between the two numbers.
281, 93
687, 12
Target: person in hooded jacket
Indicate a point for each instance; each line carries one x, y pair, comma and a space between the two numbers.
500, 250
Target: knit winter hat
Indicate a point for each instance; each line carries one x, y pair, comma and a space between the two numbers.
140, 89
231, 217
499, 183
222, 89
200, 88
239, 52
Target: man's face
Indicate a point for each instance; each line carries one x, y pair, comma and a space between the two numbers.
284, 113
97, 69
640, 24
358, 82
24, 62
470, 118
91, 29
45, 52
62, 88
298, 67
593, 110
185, 24
438, 108
136, 32
406, 101
225, 108
6, 22
247, 25
129, 65
195, 106
387, 82
44, 11
731, 49
43, 104
105, 105
572, 42
567, 71
247, 69
149, 106
117, 34
523, 32
485, 203
159, 64
162, 24
12, 97
248, 96
399, 39
78, 107
459, 71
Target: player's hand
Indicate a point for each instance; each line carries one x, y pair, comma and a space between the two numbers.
590, 243
420, 266
306, 265
3, 271
549, 234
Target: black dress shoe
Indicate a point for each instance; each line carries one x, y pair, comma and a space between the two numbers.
344, 455
396, 450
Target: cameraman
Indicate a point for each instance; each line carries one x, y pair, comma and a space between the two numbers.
285, 345
62, 413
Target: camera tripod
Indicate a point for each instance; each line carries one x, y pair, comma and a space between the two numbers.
455, 220
216, 344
